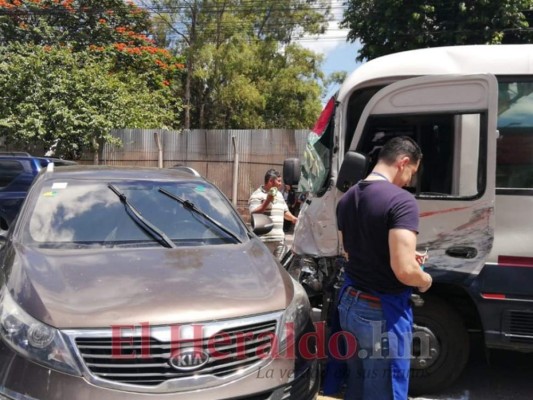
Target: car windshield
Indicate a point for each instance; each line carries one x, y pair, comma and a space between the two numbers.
76, 213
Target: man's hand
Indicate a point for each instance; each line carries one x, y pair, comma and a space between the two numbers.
425, 288
271, 195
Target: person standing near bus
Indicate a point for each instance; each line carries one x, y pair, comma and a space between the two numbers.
268, 200
379, 221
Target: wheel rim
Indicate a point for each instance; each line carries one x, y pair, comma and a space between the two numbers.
426, 348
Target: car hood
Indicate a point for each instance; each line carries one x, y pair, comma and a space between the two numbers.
103, 287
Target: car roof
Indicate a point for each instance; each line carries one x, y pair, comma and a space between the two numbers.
105, 172
15, 154
25, 156
17, 157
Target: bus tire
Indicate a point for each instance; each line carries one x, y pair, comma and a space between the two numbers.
446, 352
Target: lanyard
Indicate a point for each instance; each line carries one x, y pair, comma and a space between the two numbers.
378, 174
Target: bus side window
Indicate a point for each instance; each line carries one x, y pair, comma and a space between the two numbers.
451, 145
514, 148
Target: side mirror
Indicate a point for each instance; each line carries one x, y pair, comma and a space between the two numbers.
291, 171
261, 224
353, 169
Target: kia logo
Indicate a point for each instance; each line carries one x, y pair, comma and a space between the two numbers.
188, 359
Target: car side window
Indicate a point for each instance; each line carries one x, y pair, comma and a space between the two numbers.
9, 170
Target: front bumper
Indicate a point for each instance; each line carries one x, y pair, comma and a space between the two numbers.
280, 379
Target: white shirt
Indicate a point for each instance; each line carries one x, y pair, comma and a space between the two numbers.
275, 211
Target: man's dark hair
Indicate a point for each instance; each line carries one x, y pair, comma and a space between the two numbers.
271, 173
400, 146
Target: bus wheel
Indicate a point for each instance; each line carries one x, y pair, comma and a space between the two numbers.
440, 347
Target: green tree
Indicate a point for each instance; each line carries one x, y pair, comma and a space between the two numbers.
292, 89
388, 26
242, 66
110, 68
53, 93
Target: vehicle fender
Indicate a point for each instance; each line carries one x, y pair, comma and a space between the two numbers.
316, 231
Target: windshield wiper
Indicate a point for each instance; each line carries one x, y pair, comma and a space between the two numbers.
189, 205
144, 224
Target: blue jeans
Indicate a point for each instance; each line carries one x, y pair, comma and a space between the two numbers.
369, 376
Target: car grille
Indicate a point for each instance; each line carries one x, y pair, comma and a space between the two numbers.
227, 356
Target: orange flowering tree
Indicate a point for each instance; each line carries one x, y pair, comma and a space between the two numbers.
114, 28
108, 36
78, 22
157, 65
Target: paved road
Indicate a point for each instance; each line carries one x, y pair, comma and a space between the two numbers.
508, 376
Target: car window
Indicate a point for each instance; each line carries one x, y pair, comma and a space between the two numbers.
9, 170
90, 213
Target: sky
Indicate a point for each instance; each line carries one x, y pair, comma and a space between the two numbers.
339, 55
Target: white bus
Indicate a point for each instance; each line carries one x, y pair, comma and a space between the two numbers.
470, 108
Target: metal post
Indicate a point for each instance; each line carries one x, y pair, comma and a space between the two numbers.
235, 172
157, 136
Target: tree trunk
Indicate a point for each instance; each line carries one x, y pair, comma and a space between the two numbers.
96, 152
187, 117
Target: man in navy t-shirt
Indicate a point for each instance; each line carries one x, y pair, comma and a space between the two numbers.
379, 223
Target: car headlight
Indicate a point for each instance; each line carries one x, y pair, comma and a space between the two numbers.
33, 339
295, 316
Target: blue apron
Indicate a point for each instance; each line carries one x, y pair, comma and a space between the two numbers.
398, 316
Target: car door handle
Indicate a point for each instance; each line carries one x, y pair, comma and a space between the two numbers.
462, 252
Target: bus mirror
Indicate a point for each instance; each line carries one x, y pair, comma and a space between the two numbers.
291, 171
353, 169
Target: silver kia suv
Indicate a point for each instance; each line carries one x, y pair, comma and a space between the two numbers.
128, 283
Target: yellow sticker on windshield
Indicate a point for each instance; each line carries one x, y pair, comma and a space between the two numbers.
50, 194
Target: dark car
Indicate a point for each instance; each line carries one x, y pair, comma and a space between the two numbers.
145, 283
17, 172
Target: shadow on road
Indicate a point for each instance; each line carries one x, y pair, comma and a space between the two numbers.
492, 375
